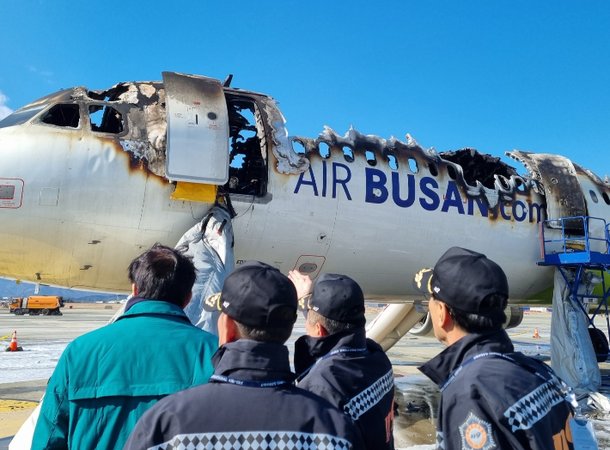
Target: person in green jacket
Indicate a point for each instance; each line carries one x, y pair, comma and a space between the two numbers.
106, 379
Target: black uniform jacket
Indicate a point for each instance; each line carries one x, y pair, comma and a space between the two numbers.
250, 402
495, 402
354, 374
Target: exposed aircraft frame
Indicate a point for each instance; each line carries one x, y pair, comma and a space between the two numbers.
91, 178
133, 127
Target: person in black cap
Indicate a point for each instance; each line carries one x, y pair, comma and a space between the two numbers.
251, 401
336, 361
491, 396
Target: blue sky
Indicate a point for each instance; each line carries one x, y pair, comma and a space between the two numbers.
490, 74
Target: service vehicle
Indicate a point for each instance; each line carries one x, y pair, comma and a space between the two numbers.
37, 304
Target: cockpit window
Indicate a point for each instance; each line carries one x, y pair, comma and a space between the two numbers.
105, 119
63, 115
20, 116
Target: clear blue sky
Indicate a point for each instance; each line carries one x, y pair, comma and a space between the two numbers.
490, 74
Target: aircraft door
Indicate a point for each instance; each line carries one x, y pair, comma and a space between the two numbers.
197, 129
563, 192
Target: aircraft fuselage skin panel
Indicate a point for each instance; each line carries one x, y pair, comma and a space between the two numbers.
85, 186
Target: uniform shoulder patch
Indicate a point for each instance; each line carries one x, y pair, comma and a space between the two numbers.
476, 434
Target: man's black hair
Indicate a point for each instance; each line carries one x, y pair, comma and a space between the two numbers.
330, 325
270, 334
475, 323
163, 273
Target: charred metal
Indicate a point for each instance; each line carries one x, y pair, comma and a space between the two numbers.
247, 147
478, 174
131, 114
146, 129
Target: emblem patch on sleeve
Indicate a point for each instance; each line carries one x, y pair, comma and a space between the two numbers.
476, 434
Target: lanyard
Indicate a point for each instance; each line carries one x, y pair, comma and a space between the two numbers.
330, 354
249, 383
565, 390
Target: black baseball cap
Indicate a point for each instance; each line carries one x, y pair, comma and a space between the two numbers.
464, 279
336, 297
259, 296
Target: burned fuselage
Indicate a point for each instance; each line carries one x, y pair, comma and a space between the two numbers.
85, 187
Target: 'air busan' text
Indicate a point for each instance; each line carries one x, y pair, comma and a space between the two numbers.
405, 191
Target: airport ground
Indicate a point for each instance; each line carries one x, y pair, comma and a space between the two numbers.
416, 397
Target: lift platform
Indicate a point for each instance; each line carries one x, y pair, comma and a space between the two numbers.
579, 248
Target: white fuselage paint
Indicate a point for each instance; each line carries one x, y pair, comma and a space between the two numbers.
83, 214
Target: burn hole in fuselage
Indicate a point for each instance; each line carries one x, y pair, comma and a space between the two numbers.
247, 156
479, 167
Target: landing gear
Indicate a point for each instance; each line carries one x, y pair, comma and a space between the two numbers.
423, 327
514, 317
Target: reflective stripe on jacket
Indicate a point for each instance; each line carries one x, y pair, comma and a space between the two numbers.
253, 404
495, 403
355, 375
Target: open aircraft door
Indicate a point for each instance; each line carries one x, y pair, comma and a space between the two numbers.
198, 129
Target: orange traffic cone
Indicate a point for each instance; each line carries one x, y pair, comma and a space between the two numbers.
13, 346
536, 334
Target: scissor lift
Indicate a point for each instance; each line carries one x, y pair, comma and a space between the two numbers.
581, 251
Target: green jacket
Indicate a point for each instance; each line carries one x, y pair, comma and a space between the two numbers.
106, 379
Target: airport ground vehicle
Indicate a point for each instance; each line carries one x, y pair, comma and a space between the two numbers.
37, 304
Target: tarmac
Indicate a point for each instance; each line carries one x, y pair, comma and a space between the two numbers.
416, 397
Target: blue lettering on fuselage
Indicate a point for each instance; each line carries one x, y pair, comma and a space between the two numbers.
406, 202
453, 198
341, 176
375, 190
404, 191
341, 169
483, 208
427, 186
311, 182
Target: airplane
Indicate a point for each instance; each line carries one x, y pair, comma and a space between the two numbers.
91, 178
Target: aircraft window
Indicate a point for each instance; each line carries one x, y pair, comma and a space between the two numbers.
392, 161
413, 166
105, 119
298, 147
247, 159
593, 196
520, 185
324, 150
370, 158
348, 154
433, 169
20, 116
606, 198
63, 115
504, 182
